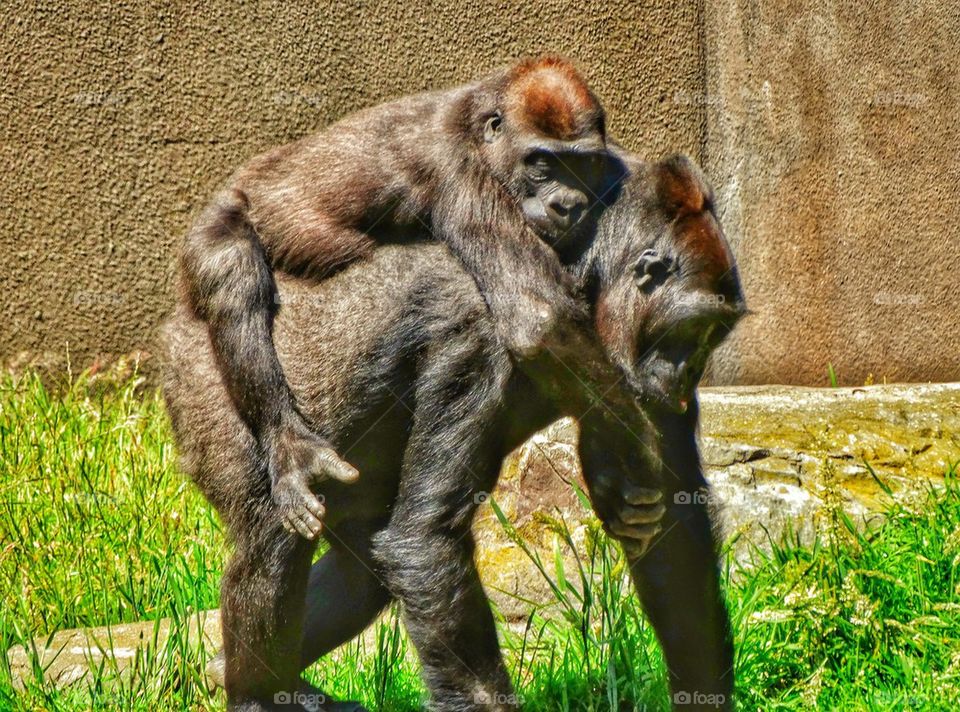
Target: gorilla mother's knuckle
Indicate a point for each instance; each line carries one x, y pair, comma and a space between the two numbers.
635, 534
632, 515
637, 495
626, 519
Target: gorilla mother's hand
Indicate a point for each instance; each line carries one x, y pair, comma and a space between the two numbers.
623, 472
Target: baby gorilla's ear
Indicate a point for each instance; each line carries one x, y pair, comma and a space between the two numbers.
652, 269
493, 127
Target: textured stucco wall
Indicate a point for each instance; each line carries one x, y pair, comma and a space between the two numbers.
834, 142
119, 121
831, 135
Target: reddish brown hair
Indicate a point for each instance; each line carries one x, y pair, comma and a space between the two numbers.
549, 96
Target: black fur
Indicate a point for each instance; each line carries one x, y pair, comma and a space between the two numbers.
410, 380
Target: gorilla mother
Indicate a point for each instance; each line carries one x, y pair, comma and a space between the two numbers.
418, 393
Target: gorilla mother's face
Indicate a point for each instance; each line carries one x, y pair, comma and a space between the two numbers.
675, 294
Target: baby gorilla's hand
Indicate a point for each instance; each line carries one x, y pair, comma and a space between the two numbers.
300, 459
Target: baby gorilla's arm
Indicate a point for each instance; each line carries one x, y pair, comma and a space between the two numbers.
230, 286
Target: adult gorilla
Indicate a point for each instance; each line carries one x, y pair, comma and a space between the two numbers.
418, 392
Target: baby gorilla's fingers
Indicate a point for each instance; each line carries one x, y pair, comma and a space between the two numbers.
310, 515
300, 510
307, 525
315, 506
302, 527
329, 465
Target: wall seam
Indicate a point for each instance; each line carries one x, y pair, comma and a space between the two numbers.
704, 88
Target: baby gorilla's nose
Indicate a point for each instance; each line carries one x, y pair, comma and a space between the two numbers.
567, 207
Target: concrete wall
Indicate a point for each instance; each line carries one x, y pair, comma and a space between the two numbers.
833, 139
831, 136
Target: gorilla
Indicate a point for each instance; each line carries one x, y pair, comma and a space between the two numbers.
410, 381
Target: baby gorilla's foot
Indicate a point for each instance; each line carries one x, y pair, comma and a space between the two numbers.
300, 459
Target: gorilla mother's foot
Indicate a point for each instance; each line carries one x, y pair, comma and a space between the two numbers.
309, 697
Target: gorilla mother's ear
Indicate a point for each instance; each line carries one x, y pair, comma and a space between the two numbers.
681, 187
652, 269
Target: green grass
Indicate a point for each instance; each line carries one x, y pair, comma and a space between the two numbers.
97, 527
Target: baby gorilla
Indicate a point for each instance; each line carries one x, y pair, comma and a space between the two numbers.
504, 171
413, 383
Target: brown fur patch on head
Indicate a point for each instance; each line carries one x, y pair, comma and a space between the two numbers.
680, 187
548, 96
686, 199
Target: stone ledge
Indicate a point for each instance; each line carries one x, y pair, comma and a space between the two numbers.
774, 456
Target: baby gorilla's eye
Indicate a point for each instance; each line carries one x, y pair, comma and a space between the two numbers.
538, 166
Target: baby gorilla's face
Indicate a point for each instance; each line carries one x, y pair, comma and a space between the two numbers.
545, 141
560, 189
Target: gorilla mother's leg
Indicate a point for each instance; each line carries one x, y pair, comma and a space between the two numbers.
262, 602
426, 550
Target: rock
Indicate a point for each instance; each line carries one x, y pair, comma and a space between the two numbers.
68, 656
774, 455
